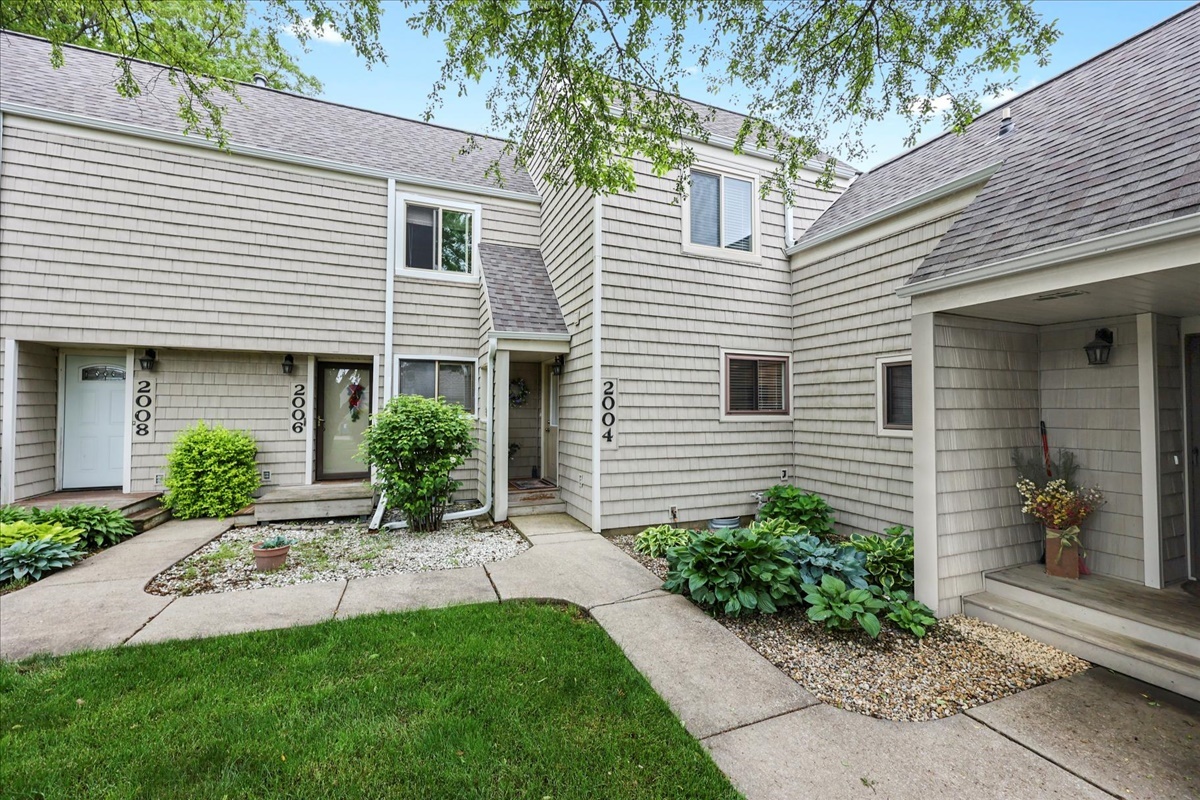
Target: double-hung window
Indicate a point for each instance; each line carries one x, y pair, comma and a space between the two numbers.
895, 399
721, 211
755, 385
438, 239
453, 380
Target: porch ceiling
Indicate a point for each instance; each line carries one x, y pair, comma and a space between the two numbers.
1174, 292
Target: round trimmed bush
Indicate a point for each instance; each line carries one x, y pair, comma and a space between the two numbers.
211, 472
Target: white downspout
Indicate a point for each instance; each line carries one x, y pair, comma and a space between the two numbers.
389, 325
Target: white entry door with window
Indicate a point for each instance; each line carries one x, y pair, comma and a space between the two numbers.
93, 422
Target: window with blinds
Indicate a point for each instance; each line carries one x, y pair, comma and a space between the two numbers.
722, 211
756, 384
452, 380
897, 396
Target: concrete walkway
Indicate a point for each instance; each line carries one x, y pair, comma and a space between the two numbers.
1096, 735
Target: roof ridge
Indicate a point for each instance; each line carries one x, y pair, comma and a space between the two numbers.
1052, 79
251, 85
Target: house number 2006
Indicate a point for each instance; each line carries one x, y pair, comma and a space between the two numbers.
143, 408
299, 417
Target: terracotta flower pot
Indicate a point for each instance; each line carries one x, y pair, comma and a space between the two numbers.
1061, 562
267, 559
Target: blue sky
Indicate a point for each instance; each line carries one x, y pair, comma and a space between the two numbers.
402, 86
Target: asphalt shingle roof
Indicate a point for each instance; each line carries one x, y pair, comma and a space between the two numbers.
266, 118
1111, 145
519, 291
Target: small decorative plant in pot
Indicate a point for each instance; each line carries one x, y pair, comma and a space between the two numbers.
1061, 510
271, 553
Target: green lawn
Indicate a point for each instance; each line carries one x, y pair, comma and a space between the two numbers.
515, 700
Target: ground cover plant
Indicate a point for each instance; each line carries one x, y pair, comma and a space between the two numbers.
656, 541
513, 700
211, 472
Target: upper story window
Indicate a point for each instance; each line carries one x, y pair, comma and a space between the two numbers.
755, 385
453, 380
894, 387
722, 211
437, 239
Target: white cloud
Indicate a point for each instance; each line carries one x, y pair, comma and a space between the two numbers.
324, 34
936, 104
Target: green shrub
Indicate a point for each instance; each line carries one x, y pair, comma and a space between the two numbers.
655, 541
810, 511
815, 559
33, 559
13, 532
735, 570
907, 614
10, 514
889, 559
211, 472
413, 444
101, 526
778, 527
838, 606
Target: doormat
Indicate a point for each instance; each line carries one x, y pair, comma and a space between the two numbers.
525, 484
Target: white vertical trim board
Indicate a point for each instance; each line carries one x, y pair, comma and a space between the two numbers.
1188, 326
389, 299
1147, 341
8, 461
60, 423
127, 456
597, 345
925, 532
499, 459
310, 442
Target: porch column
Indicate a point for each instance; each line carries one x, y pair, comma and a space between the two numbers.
8, 416
1147, 359
500, 434
925, 535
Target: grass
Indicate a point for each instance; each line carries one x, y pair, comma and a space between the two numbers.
518, 700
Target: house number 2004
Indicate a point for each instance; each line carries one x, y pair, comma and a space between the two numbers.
608, 413
143, 407
299, 416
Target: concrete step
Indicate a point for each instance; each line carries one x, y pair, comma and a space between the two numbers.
152, 503
1163, 630
147, 518
530, 509
1160, 666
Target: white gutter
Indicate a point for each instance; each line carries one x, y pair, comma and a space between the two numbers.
532, 337
83, 121
597, 350
1154, 233
895, 209
486, 508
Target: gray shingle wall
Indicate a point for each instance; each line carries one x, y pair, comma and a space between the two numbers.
36, 418
264, 118
1093, 411
1110, 146
1173, 489
986, 403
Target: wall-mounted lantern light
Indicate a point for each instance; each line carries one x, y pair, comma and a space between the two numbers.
289, 364
148, 359
557, 368
1098, 349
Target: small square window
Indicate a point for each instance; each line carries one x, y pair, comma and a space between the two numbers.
452, 380
721, 212
895, 395
437, 239
756, 385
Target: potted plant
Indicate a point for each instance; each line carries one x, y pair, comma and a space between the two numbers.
1061, 510
271, 553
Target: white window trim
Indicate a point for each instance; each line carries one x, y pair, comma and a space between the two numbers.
440, 357
724, 382
754, 256
476, 212
482, 375
880, 396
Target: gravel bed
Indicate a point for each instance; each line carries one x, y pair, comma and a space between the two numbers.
962, 663
335, 550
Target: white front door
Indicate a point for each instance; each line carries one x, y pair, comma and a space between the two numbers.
93, 422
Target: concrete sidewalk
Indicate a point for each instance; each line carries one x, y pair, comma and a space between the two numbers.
1095, 735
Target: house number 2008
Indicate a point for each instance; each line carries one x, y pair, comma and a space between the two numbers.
299, 417
143, 408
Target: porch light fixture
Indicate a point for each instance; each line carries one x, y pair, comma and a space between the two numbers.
557, 367
289, 364
1098, 349
148, 359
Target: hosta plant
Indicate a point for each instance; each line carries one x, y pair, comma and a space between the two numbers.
838, 606
10, 514
13, 532
32, 560
734, 571
806, 509
816, 558
656, 541
907, 614
101, 526
889, 559
778, 527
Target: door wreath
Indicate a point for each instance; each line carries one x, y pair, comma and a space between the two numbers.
518, 392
